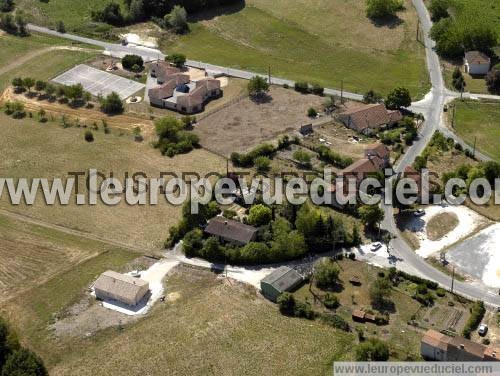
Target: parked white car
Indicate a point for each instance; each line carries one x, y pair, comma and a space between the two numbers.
483, 329
375, 247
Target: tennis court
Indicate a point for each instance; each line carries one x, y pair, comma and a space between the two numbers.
97, 82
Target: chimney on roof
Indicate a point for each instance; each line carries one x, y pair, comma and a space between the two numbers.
225, 222
462, 346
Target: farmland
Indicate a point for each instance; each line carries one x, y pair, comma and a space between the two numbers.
31, 149
287, 37
213, 325
479, 121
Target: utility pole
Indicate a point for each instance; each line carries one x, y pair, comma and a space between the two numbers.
462, 91
474, 148
342, 92
269, 75
452, 279
453, 117
418, 31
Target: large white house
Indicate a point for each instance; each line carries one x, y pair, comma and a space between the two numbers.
477, 63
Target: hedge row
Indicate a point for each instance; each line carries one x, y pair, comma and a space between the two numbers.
477, 314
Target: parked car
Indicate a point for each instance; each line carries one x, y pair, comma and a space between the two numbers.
483, 329
419, 212
375, 247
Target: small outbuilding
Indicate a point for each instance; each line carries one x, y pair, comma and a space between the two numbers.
120, 287
477, 63
306, 129
283, 279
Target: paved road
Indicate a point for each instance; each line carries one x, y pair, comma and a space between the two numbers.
431, 106
148, 54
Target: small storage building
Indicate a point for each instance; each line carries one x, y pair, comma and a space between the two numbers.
120, 287
283, 279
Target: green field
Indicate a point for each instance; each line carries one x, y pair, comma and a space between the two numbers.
325, 43
479, 121
484, 11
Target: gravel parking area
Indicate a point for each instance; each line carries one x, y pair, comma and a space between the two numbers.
97, 82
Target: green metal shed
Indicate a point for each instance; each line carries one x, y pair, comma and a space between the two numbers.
281, 280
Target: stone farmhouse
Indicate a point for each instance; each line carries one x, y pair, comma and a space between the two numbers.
230, 231
440, 347
369, 118
177, 92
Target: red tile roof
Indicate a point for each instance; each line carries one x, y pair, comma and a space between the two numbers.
477, 57
369, 116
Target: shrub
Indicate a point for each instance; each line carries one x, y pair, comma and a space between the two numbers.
262, 164
177, 59
477, 314
302, 87
317, 89
303, 157
331, 301
177, 19
440, 292
259, 215
112, 104
382, 8
257, 87
303, 310
110, 14
311, 112
326, 273
89, 136
335, 321
286, 303
372, 350
128, 62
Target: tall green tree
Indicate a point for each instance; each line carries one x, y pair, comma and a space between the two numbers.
177, 19
371, 215
382, 8
398, 98
257, 87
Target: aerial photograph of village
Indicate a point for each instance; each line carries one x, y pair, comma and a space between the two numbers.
249, 187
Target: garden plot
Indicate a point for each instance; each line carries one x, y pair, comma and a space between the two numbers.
98, 82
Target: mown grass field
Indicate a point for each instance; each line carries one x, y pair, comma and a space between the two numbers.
324, 42
213, 327
480, 121
31, 149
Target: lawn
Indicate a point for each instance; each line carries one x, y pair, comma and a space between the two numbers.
287, 36
214, 326
472, 84
479, 121
30, 149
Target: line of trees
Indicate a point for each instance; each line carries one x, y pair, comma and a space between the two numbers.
14, 25
172, 13
173, 137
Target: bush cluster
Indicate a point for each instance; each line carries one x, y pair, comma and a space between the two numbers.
476, 315
248, 159
173, 138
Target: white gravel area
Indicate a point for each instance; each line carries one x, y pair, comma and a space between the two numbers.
469, 221
479, 256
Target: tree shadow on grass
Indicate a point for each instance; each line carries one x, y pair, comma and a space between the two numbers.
210, 14
261, 99
389, 22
